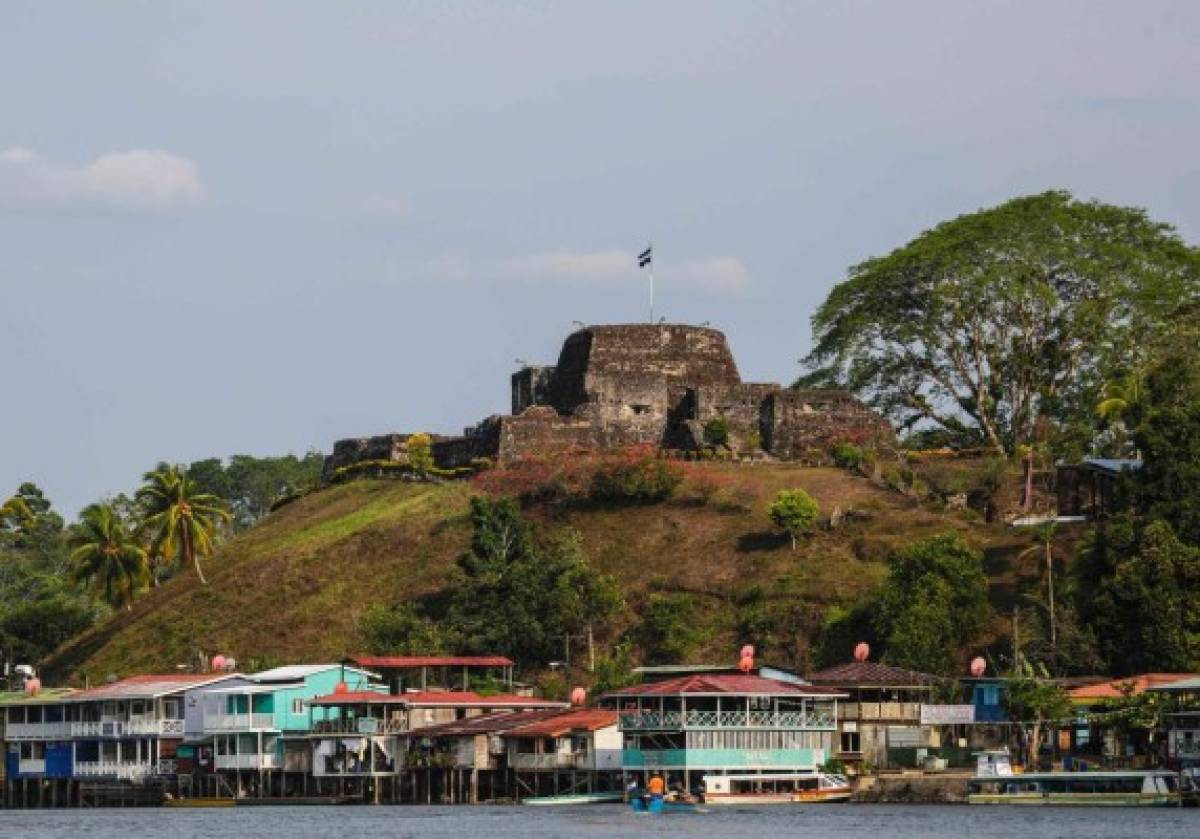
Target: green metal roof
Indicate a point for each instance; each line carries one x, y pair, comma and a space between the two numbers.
45, 696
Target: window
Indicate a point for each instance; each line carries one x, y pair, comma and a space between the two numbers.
851, 742
298, 707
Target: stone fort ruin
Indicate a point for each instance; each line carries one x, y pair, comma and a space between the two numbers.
631, 384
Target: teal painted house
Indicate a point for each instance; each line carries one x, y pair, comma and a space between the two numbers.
713, 724
260, 726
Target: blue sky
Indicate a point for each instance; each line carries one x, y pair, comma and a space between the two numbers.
258, 227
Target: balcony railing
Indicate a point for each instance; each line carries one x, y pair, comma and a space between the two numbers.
249, 761
678, 721
364, 725
127, 728
37, 730
238, 722
130, 771
882, 711
579, 760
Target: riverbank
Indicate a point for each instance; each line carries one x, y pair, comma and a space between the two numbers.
912, 788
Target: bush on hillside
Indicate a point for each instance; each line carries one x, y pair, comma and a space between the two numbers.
795, 512
635, 476
846, 455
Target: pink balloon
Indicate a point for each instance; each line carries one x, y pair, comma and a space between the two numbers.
978, 666
862, 652
218, 662
748, 651
33, 686
746, 664
578, 696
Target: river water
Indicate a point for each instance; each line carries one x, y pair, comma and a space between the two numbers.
863, 821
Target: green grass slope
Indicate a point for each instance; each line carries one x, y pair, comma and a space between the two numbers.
292, 588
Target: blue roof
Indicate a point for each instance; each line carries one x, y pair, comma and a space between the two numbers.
1113, 465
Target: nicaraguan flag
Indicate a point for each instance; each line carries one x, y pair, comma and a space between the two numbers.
645, 257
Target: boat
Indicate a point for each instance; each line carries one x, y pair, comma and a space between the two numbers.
776, 788
1147, 788
659, 804
574, 798
200, 802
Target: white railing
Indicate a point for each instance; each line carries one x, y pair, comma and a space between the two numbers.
127, 728
37, 730
677, 720
238, 722
111, 769
252, 761
30, 766
359, 726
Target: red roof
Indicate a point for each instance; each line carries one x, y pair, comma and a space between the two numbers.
871, 674
149, 686
456, 698
580, 719
432, 661
1113, 689
721, 683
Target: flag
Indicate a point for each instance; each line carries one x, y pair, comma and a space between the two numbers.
645, 257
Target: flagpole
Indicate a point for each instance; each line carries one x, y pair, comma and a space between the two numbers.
651, 248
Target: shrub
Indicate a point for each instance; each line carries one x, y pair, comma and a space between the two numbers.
716, 432
669, 631
420, 453
795, 512
635, 477
847, 455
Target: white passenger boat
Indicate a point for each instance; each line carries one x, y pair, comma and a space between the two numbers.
776, 788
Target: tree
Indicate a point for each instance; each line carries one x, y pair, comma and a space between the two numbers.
996, 318
520, 599
934, 601
106, 556
795, 512
420, 453
402, 629
1136, 586
179, 520
1044, 544
716, 432
669, 630
251, 485
1033, 700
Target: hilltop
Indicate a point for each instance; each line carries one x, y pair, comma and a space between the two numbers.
293, 587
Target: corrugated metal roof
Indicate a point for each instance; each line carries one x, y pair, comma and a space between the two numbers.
460, 699
483, 724
580, 719
45, 696
1115, 689
296, 672
1113, 465
871, 674
740, 684
432, 661
1192, 684
149, 686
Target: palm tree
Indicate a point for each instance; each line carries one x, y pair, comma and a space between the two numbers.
179, 520
1044, 542
15, 511
107, 556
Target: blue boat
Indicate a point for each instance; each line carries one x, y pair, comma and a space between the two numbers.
657, 804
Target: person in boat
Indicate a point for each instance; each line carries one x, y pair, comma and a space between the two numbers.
655, 786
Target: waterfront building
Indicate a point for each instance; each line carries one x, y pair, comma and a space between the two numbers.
575, 751
888, 716
254, 729
361, 736
694, 725
1090, 736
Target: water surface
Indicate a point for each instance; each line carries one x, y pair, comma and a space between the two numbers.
863, 821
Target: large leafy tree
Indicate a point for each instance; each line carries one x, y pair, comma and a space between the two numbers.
1035, 702
179, 520
106, 556
934, 601
995, 319
251, 485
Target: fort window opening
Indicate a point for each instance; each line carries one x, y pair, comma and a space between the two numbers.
640, 409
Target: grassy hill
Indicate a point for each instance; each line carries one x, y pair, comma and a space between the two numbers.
292, 588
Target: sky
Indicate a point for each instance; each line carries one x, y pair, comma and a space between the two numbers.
255, 227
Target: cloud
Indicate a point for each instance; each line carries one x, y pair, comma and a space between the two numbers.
718, 273
142, 180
